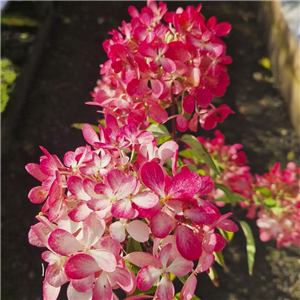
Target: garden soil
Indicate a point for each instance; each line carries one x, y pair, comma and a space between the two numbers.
67, 73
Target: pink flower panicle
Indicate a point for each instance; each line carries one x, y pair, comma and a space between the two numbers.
160, 59
278, 201
234, 173
273, 197
113, 190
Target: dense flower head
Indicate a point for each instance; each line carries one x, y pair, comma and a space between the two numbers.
111, 192
234, 172
278, 201
161, 59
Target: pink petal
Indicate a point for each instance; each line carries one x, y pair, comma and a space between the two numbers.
83, 285
222, 29
89, 134
206, 260
55, 275
37, 195
79, 213
138, 230
145, 200
117, 231
181, 184
209, 242
105, 259
50, 292
189, 287
161, 225
204, 97
228, 225
38, 235
122, 278
137, 88
81, 266
72, 294
156, 87
182, 123
168, 64
187, 243
188, 104
110, 245
167, 150
158, 114
200, 216
165, 289
180, 267
153, 177
93, 229
220, 243
102, 289
35, 171
63, 242
147, 276
164, 254
122, 209
142, 259
75, 187
114, 178
126, 187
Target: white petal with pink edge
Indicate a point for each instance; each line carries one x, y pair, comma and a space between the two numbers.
147, 276
138, 230
165, 289
72, 294
105, 259
180, 267
63, 242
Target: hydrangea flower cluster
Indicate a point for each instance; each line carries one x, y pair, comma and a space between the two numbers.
273, 197
278, 199
234, 173
115, 193
165, 59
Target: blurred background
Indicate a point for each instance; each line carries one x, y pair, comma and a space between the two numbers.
50, 57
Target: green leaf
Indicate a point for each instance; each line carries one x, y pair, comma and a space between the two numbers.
250, 246
240, 198
160, 132
227, 235
213, 275
133, 246
227, 192
201, 153
80, 125
220, 259
270, 202
265, 192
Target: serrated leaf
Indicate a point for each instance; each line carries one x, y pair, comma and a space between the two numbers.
227, 192
250, 246
201, 153
79, 126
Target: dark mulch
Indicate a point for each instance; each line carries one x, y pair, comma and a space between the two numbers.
67, 73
